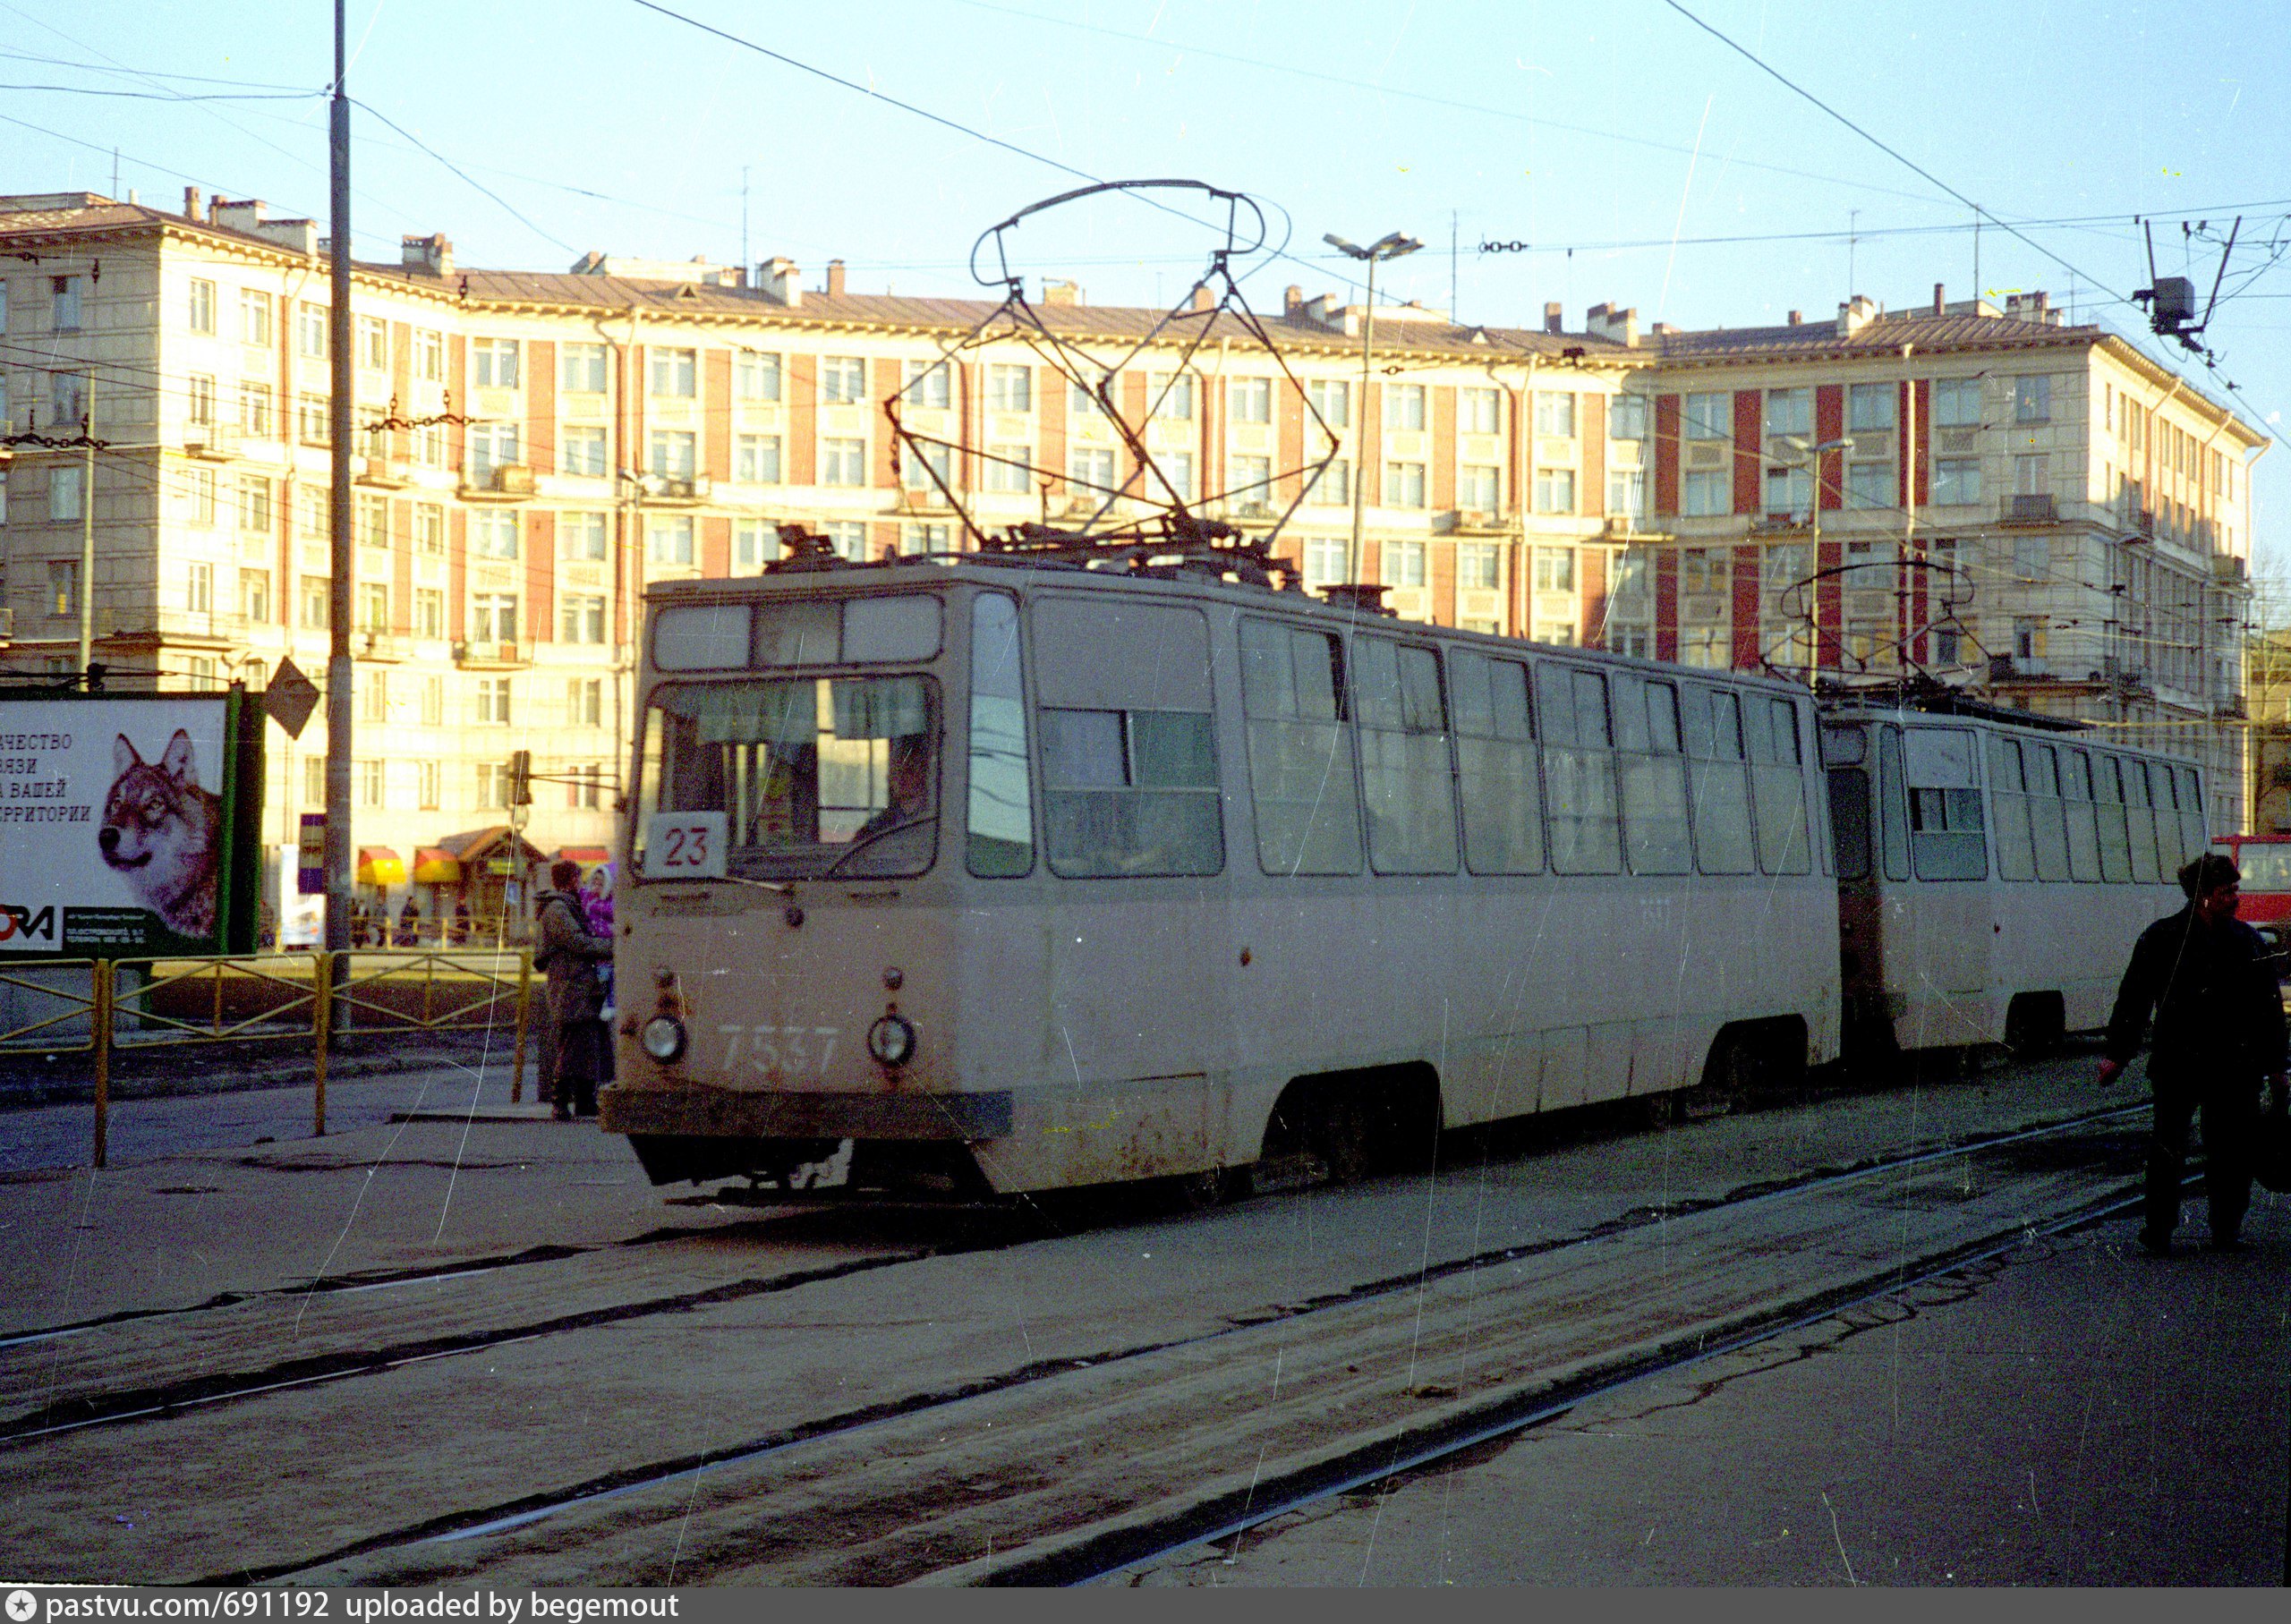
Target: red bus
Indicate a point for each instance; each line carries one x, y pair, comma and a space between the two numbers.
2265, 860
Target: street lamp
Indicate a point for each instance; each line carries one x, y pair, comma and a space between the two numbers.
1812, 453
1391, 246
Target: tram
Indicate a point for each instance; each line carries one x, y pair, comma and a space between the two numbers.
1018, 871
1994, 869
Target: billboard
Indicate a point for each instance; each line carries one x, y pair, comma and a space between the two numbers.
128, 824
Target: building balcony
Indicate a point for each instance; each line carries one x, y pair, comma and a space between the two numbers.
2029, 510
1477, 521
504, 481
928, 500
387, 472
676, 489
214, 442
492, 656
382, 648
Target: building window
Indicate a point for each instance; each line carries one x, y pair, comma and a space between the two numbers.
1789, 411
254, 595
1082, 402
313, 422
1482, 411
676, 373
2032, 476
1638, 642
254, 503
917, 466
1177, 473
1250, 399
1331, 397
581, 618
2031, 558
317, 603
497, 362
373, 343
1705, 492
430, 445
1007, 469
1478, 488
1403, 485
1404, 564
1956, 480
582, 537
430, 355
426, 775
1956, 403
373, 521
581, 368
202, 305
1703, 646
493, 616
1789, 492
1009, 386
373, 606
668, 540
199, 393
1870, 486
310, 329
429, 613
1870, 407
929, 383
1403, 405
67, 493
1249, 481
430, 530
582, 451
919, 539
586, 788
493, 700
584, 702
1786, 566
843, 462
492, 446
1334, 487
492, 785
2028, 638
843, 380
493, 533
1627, 417
1555, 569
755, 458
1555, 490
1172, 397
1089, 471
1325, 560
370, 779
63, 586
1479, 566
371, 684
254, 317
1554, 412
254, 409
848, 538
199, 589
1627, 492
67, 396
1709, 417
674, 453
755, 542
2033, 398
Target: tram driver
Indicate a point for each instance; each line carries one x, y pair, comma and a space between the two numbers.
907, 783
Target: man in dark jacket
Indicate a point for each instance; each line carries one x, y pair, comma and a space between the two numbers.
568, 952
2219, 1032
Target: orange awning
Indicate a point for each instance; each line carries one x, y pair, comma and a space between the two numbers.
379, 866
435, 865
584, 854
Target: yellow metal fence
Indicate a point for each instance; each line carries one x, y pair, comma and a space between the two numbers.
111, 1007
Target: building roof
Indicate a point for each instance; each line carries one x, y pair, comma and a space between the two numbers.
1882, 335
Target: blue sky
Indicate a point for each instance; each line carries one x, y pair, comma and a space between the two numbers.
1615, 140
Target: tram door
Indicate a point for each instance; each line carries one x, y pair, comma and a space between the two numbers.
1940, 926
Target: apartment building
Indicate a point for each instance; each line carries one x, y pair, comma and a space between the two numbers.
535, 446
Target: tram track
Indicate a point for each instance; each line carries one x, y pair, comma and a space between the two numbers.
64, 1407
861, 1498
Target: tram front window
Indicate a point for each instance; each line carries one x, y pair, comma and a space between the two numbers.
814, 776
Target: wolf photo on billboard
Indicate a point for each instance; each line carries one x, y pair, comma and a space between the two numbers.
163, 834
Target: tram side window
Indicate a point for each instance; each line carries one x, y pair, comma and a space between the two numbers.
1893, 805
1778, 786
1129, 748
2193, 842
2048, 819
2139, 821
2108, 808
1719, 775
1495, 759
1300, 750
1579, 771
1408, 787
2083, 826
1654, 777
2016, 851
1945, 840
1002, 813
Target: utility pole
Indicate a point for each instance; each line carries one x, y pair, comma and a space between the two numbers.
87, 524
339, 676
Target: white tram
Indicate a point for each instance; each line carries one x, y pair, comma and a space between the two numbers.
1017, 874
1994, 872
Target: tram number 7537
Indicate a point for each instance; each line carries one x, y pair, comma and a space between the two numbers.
780, 1048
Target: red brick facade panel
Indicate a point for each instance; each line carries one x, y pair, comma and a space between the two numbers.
1749, 450
1829, 607
1369, 436
803, 419
1439, 568
883, 539
1920, 455
401, 385
1289, 445
540, 576
716, 415
457, 573
1666, 598
458, 380
1444, 447
402, 566
891, 378
1746, 632
541, 405
1829, 424
1666, 454
1591, 567
716, 544
1593, 422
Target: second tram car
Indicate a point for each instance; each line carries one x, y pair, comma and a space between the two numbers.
999, 875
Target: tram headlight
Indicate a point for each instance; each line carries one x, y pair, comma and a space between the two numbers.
663, 1038
891, 1040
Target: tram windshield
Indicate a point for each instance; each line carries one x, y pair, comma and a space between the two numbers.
814, 776
2265, 868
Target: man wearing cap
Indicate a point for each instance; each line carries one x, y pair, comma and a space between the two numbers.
2219, 1032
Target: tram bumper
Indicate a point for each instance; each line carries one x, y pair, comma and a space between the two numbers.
692, 1132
